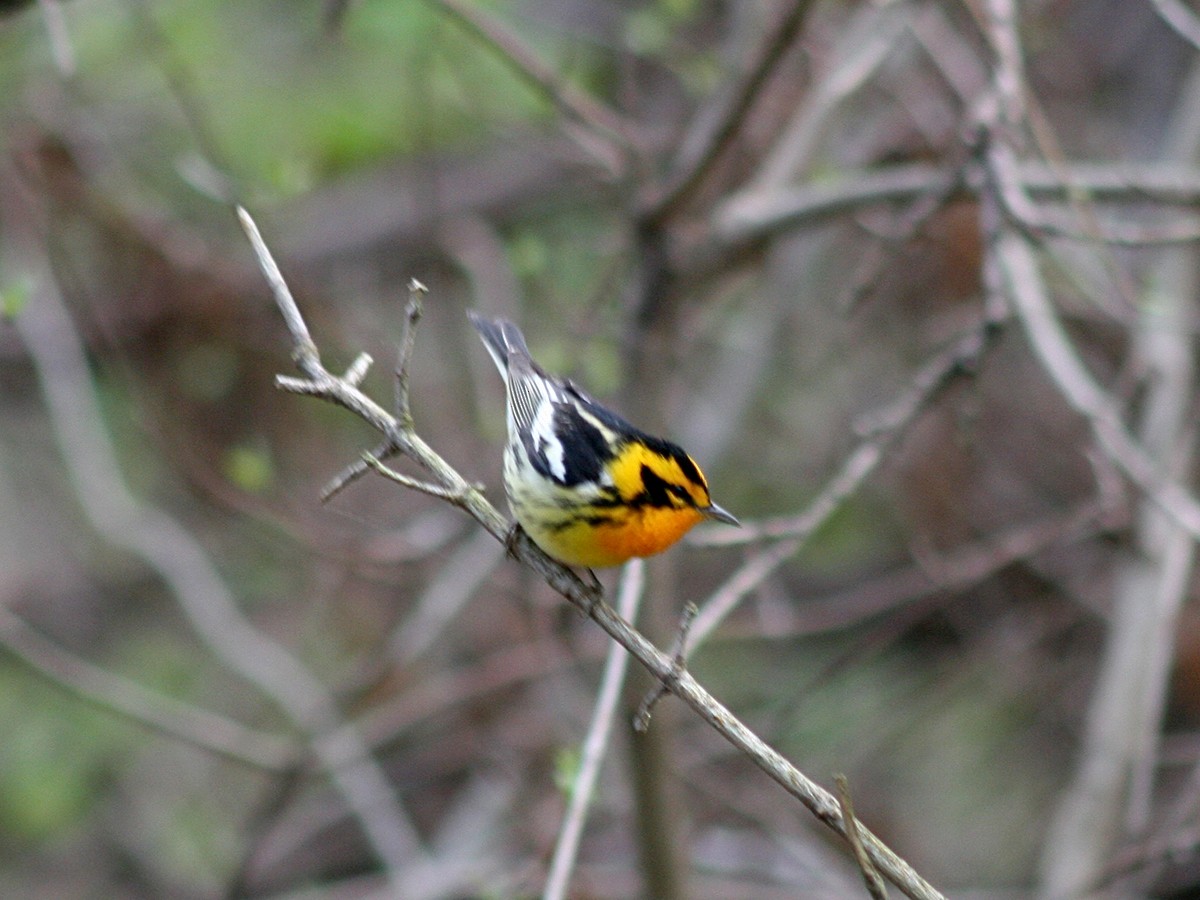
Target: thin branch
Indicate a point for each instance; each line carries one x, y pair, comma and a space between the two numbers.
754, 214
816, 799
1024, 287
355, 471
641, 719
452, 495
741, 102
607, 137
1109, 795
304, 351
412, 315
875, 886
114, 693
952, 571
595, 744
930, 378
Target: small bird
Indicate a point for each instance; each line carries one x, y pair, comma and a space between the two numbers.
586, 486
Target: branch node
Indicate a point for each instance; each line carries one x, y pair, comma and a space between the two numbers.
295, 385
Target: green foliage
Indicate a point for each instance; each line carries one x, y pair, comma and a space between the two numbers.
566, 769
54, 754
13, 297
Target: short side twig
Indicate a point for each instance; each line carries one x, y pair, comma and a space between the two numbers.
412, 315
641, 720
875, 886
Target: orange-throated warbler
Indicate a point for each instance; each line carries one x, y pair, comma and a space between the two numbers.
585, 485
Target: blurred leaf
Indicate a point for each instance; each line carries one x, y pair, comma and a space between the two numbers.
250, 468
566, 769
13, 298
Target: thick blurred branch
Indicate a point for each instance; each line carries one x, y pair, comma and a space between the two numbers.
702, 150
402, 438
1109, 795
595, 743
753, 214
166, 547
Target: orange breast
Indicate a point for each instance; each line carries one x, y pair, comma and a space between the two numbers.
643, 533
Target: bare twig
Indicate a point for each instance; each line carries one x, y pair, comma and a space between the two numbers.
641, 719
304, 351
607, 137
433, 490
167, 715
854, 470
875, 886
355, 471
595, 744
817, 800
412, 315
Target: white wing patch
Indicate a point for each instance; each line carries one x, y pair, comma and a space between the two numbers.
545, 439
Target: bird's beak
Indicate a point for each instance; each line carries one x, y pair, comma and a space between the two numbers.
715, 512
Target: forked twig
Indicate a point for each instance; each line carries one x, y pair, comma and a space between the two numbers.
641, 720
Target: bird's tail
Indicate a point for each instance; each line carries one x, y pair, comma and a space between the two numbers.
502, 339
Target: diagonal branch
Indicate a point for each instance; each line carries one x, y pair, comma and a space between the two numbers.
882, 430
692, 174
607, 133
820, 802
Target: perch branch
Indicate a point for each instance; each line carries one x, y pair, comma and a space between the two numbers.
820, 802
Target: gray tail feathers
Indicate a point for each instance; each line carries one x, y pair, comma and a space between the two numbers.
502, 338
